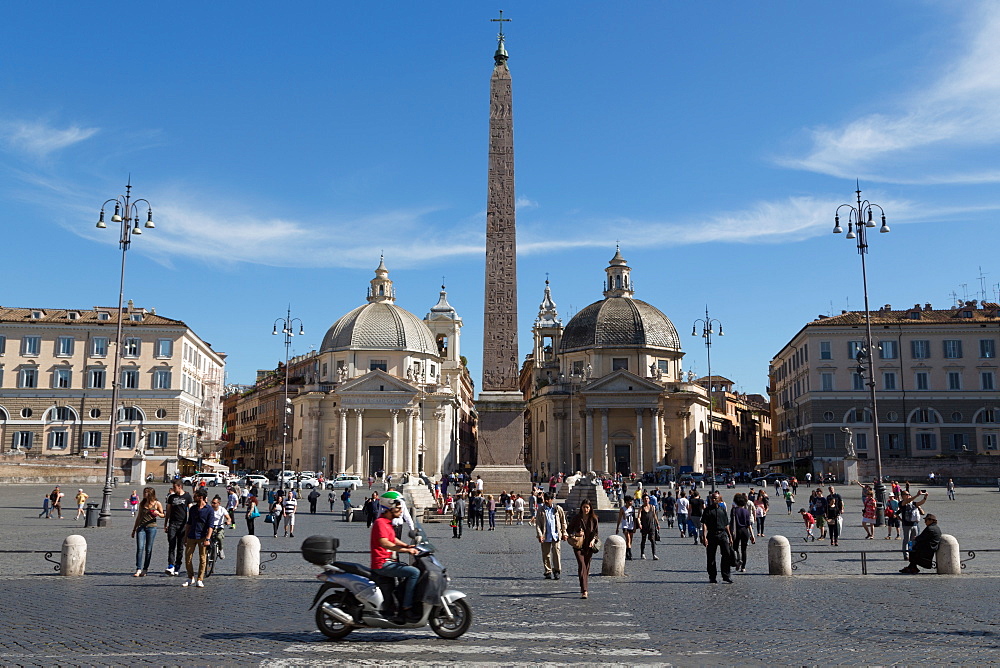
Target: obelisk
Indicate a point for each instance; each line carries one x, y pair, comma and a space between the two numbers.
500, 455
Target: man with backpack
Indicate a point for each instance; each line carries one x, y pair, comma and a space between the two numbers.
909, 517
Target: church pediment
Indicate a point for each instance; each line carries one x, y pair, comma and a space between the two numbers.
377, 382
622, 381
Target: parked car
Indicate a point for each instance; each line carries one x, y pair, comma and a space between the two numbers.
211, 479
254, 479
769, 479
304, 482
351, 482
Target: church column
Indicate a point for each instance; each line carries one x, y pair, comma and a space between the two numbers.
416, 429
435, 465
561, 442
407, 441
638, 439
587, 442
359, 439
604, 441
392, 457
342, 442
655, 449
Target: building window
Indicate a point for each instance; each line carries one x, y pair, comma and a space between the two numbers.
129, 414
826, 379
859, 415
952, 349
22, 440
161, 413
922, 382
158, 439
64, 346
103, 315
855, 347
959, 442
99, 346
136, 317
857, 381
892, 416
96, 379
925, 415
63, 379
894, 442
92, 440
861, 441
31, 345
577, 368
161, 379
126, 440
28, 378
58, 439
987, 381
986, 416
26, 412
663, 366
3, 344
131, 346
829, 441
954, 380
987, 348
619, 363
130, 379
164, 348
889, 380
95, 413
989, 442
825, 352
920, 350
380, 365
828, 416
926, 441
37, 315
888, 350
956, 416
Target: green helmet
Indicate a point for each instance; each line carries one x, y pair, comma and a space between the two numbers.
390, 499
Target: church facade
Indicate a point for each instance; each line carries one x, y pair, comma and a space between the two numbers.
607, 392
389, 391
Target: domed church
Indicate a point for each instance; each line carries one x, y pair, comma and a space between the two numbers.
392, 394
607, 392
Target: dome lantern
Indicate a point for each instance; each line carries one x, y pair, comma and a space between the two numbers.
619, 283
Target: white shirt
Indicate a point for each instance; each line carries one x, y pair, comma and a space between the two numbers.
683, 505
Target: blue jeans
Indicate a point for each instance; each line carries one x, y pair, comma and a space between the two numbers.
395, 569
144, 547
493, 519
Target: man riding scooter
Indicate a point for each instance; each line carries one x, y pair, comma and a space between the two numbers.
383, 544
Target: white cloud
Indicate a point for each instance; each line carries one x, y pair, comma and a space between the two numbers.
37, 139
525, 204
934, 134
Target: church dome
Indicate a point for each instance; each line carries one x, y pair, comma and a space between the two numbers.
380, 324
620, 322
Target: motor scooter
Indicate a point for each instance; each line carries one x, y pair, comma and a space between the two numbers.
353, 596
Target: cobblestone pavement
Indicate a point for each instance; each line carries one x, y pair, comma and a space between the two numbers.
662, 613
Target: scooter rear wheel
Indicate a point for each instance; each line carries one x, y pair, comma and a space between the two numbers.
332, 628
450, 629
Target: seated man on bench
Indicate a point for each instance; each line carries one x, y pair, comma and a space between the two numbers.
925, 546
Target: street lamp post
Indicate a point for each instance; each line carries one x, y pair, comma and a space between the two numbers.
127, 216
287, 324
860, 218
707, 330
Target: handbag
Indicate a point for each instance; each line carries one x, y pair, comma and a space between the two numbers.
254, 514
575, 540
595, 545
269, 518
656, 535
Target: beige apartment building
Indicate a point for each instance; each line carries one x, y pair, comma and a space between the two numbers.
55, 386
936, 377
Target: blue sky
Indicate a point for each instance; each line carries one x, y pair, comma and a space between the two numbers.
284, 146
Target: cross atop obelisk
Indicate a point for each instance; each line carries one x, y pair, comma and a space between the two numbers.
500, 452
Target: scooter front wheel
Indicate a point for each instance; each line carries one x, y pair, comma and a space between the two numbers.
328, 625
450, 629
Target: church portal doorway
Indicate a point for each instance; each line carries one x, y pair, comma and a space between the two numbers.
376, 459
623, 459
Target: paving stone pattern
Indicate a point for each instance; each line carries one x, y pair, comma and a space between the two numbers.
662, 613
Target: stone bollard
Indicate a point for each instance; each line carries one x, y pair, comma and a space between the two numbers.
779, 556
949, 556
74, 556
614, 556
248, 557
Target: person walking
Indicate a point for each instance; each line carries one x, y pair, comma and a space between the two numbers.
683, 508
694, 519
232, 501
277, 511
313, 500
370, 509
55, 500
174, 522
550, 528
649, 527
715, 535
834, 512
133, 502
252, 513
789, 500
519, 505
46, 508
81, 500
951, 489
868, 513
458, 515
198, 536
477, 511
144, 530
584, 526
290, 506
669, 506
891, 516
741, 529
508, 509
627, 525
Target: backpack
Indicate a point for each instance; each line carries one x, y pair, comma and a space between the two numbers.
343, 497
911, 514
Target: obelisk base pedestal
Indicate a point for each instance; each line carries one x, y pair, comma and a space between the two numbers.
500, 456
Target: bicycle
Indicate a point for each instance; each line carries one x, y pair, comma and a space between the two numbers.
214, 551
